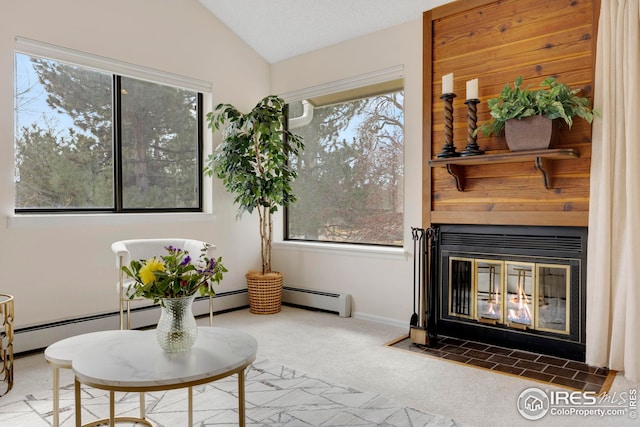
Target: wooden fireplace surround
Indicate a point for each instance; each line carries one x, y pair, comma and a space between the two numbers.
497, 41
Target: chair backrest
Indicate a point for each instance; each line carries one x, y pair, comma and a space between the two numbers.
136, 249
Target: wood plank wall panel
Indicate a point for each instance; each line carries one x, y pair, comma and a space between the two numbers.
497, 41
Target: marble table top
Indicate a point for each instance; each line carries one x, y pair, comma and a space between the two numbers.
61, 353
133, 360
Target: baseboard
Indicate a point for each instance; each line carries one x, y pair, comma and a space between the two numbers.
383, 320
40, 336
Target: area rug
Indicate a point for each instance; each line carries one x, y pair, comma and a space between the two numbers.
275, 396
541, 368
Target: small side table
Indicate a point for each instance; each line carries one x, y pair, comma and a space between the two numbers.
6, 343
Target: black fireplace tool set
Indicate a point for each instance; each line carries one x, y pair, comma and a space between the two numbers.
422, 328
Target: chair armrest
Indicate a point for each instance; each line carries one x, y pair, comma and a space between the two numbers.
122, 253
119, 248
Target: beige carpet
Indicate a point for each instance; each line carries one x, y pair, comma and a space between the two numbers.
352, 351
276, 396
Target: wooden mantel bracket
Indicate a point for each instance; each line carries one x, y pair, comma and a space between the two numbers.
458, 174
543, 160
545, 167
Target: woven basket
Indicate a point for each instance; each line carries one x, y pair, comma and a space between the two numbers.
265, 292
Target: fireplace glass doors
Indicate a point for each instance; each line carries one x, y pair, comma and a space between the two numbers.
519, 295
514, 286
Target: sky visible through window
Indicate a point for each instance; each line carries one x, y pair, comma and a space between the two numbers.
30, 99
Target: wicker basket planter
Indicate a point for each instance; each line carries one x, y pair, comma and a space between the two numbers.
265, 292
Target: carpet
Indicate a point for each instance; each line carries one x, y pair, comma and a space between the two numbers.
541, 368
275, 396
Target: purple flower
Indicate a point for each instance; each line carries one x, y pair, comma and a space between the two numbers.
185, 261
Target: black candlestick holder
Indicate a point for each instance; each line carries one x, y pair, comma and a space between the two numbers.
472, 148
448, 150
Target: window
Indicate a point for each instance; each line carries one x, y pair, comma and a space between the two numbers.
90, 140
350, 175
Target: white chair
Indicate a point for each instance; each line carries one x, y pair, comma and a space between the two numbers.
136, 249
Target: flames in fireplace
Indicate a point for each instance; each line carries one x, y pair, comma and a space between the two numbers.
519, 308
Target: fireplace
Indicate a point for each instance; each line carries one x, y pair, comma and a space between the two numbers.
514, 286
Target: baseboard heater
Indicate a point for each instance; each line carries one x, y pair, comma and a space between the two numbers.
321, 300
37, 337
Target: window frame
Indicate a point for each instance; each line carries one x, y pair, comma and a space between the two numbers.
352, 85
117, 70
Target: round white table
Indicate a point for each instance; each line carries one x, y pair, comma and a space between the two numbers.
136, 363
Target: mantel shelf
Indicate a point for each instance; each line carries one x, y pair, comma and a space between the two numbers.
542, 159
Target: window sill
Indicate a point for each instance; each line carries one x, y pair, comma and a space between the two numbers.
336, 248
79, 220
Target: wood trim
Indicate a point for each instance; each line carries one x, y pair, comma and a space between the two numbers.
596, 21
457, 6
427, 57
564, 219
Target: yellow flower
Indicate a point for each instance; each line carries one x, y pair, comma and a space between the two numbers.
146, 271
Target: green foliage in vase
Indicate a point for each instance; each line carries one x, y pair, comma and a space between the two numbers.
555, 101
174, 275
253, 161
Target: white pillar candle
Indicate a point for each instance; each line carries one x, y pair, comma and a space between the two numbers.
472, 89
447, 83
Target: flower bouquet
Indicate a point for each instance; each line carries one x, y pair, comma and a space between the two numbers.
174, 279
174, 275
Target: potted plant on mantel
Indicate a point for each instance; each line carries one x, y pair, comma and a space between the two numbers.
253, 163
531, 118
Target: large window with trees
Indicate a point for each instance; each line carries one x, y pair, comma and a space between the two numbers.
350, 176
87, 140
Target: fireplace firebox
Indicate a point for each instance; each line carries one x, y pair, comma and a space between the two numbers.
516, 286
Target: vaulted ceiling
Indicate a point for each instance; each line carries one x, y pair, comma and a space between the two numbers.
280, 29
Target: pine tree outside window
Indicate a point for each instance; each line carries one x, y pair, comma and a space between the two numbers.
87, 140
350, 176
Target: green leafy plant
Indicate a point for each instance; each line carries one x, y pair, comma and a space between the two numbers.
253, 162
557, 101
174, 275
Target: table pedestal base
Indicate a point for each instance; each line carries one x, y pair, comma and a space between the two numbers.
112, 420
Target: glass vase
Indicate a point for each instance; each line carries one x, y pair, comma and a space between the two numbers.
177, 329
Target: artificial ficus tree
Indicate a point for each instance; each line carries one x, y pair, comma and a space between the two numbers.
253, 162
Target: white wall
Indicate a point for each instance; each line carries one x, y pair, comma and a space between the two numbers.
380, 283
60, 268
